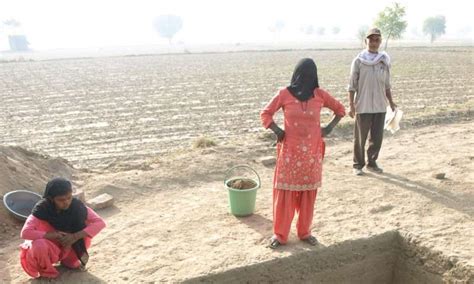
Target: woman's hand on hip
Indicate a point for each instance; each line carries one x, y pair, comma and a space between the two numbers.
280, 133
325, 131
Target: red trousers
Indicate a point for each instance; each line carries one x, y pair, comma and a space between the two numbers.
38, 258
285, 203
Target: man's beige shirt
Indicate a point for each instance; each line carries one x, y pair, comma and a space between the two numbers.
369, 82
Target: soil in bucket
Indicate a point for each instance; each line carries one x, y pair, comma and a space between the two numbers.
242, 184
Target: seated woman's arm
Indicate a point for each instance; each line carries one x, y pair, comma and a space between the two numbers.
94, 223
31, 232
30, 229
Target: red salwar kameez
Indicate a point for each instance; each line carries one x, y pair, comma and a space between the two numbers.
298, 168
39, 255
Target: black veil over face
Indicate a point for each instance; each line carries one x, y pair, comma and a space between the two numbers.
304, 80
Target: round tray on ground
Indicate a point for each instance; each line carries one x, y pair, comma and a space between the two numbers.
19, 203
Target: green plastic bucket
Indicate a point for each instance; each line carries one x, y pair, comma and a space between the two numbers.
241, 201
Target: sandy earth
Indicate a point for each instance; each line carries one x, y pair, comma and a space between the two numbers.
170, 221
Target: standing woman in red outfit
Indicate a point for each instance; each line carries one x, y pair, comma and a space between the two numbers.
300, 150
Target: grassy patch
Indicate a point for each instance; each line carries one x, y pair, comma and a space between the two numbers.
204, 142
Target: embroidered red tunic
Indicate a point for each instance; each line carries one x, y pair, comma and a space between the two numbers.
300, 154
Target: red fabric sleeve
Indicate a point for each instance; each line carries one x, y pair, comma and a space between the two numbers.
30, 229
333, 104
94, 223
266, 115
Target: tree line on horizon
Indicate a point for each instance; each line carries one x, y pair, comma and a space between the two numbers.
390, 21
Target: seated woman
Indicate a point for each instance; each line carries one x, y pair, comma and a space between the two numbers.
59, 229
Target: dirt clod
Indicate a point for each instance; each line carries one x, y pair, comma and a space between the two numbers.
243, 184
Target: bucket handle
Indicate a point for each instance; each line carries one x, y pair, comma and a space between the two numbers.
242, 166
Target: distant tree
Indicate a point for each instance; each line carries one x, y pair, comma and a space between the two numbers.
321, 31
277, 26
361, 34
390, 22
308, 30
11, 23
168, 25
434, 26
336, 30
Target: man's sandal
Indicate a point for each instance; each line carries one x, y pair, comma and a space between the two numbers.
311, 240
274, 243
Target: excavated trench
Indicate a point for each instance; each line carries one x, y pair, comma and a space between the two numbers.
386, 258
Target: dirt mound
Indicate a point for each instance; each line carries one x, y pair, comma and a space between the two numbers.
23, 169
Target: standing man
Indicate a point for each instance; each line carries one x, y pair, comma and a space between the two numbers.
369, 95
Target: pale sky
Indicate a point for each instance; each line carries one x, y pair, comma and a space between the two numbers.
50, 24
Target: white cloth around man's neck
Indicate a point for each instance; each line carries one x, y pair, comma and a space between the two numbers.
368, 58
